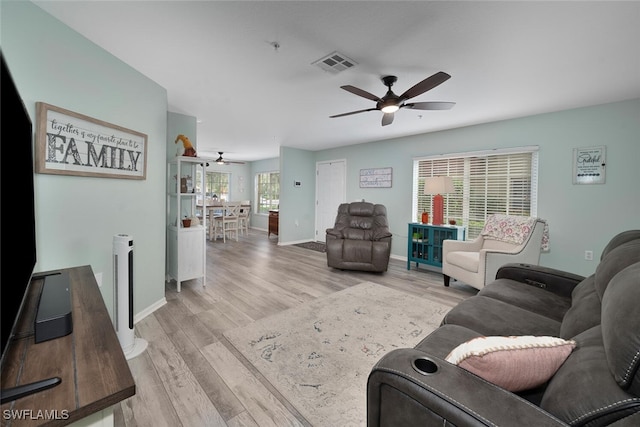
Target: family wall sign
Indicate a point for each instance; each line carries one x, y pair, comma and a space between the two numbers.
70, 143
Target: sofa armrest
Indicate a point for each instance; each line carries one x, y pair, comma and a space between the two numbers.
334, 232
450, 245
557, 281
382, 234
398, 395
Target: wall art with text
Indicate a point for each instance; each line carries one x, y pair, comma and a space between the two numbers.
69, 143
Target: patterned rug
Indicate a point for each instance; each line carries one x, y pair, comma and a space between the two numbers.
319, 355
315, 246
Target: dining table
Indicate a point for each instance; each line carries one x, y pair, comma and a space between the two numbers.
215, 210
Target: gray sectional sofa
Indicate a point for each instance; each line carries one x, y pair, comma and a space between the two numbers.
597, 385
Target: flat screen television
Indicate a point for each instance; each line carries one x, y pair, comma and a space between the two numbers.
18, 257
18, 252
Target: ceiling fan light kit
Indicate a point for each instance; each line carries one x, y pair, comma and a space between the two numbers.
390, 102
222, 161
390, 108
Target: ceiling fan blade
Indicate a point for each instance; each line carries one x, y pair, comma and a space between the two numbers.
352, 112
360, 92
387, 119
425, 85
430, 105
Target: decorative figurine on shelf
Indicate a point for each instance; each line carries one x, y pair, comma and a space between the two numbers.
187, 147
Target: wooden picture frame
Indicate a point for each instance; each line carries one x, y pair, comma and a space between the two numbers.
376, 178
69, 143
589, 165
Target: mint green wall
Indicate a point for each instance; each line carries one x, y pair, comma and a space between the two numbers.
77, 217
581, 217
298, 219
261, 221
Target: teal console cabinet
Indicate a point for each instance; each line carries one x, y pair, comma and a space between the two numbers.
425, 242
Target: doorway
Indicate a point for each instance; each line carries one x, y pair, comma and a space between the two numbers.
331, 191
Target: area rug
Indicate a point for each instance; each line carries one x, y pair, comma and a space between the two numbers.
319, 355
314, 246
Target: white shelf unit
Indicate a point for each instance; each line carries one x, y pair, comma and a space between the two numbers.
186, 246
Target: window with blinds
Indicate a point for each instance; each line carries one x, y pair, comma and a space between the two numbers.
267, 191
497, 181
217, 184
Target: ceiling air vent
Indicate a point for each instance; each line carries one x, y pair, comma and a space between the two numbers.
334, 63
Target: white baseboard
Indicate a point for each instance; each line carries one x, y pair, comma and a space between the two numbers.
295, 242
147, 311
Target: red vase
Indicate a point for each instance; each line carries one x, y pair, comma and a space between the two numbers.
425, 217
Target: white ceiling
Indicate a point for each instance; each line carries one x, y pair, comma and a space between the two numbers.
217, 61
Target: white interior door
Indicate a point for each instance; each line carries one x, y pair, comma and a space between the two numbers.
331, 190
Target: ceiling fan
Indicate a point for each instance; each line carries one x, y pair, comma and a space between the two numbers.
222, 161
390, 102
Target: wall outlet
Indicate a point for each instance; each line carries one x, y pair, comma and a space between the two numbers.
588, 255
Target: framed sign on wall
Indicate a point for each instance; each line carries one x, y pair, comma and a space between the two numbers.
69, 143
589, 165
376, 178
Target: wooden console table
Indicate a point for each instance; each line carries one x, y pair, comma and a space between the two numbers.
274, 216
90, 361
425, 242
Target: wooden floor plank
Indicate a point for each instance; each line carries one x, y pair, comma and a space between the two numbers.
151, 405
187, 396
242, 420
212, 384
263, 407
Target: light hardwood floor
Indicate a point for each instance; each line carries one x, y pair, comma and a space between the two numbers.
191, 376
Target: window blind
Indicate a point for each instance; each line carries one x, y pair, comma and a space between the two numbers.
496, 181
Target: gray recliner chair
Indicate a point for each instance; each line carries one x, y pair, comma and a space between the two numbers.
360, 238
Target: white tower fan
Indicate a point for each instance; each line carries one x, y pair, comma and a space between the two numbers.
123, 296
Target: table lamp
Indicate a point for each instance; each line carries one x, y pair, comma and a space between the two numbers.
437, 186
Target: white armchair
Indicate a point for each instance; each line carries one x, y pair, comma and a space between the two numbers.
504, 239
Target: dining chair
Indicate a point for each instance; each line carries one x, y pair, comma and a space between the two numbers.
214, 213
244, 217
228, 222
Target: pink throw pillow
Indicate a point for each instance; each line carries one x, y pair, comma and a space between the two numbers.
514, 363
